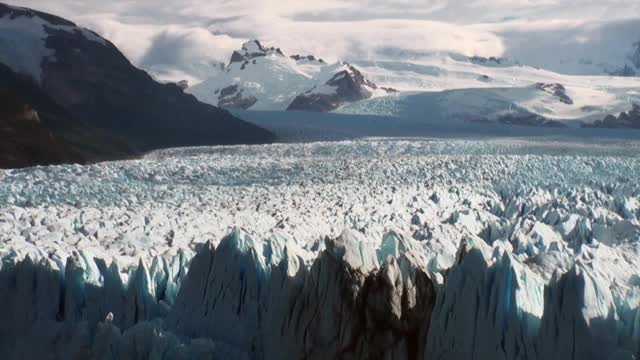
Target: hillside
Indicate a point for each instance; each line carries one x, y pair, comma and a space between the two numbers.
95, 87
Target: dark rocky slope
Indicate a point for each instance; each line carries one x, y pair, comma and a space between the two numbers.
629, 119
350, 86
26, 141
37, 131
93, 83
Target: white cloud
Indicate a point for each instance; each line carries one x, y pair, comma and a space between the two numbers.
185, 34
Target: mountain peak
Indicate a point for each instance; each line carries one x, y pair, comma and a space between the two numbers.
253, 46
264, 78
251, 50
308, 58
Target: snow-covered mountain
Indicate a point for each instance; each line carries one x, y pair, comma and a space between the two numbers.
432, 87
539, 104
91, 97
261, 78
441, 88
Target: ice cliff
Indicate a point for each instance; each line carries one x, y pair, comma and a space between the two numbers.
249, 299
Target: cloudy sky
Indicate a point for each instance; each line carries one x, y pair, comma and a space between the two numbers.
153, 32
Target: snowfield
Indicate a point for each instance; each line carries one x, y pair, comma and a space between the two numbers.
505, 248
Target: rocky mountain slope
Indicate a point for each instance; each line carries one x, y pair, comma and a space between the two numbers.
628, 119
89, 78
38, 131
26, 141
261, 78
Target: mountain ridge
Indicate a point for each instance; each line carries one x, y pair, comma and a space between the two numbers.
97, 86
265, 78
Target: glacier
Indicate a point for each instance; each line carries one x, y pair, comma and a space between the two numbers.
513, 248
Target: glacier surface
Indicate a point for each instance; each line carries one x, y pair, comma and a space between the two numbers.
511, 248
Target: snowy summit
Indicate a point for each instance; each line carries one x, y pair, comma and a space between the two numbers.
259, 78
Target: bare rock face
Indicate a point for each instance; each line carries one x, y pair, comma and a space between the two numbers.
310, 58
99, 84
250, 51
557, 90
183, 84
344, 87
25, 139
528, 119
232, 97
484, 78
486, 61
37, 131
629, 119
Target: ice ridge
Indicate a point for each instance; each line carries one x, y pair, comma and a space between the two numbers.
251, 299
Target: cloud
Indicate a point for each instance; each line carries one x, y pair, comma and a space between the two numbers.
363, 38
186, 36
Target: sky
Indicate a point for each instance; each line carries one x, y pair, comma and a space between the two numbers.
189, 33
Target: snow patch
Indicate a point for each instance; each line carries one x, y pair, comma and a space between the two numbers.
23, 41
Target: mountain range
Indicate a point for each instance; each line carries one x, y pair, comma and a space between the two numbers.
437, 89
261, 78
86, 101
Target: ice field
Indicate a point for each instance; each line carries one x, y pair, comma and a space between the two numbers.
506, 248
